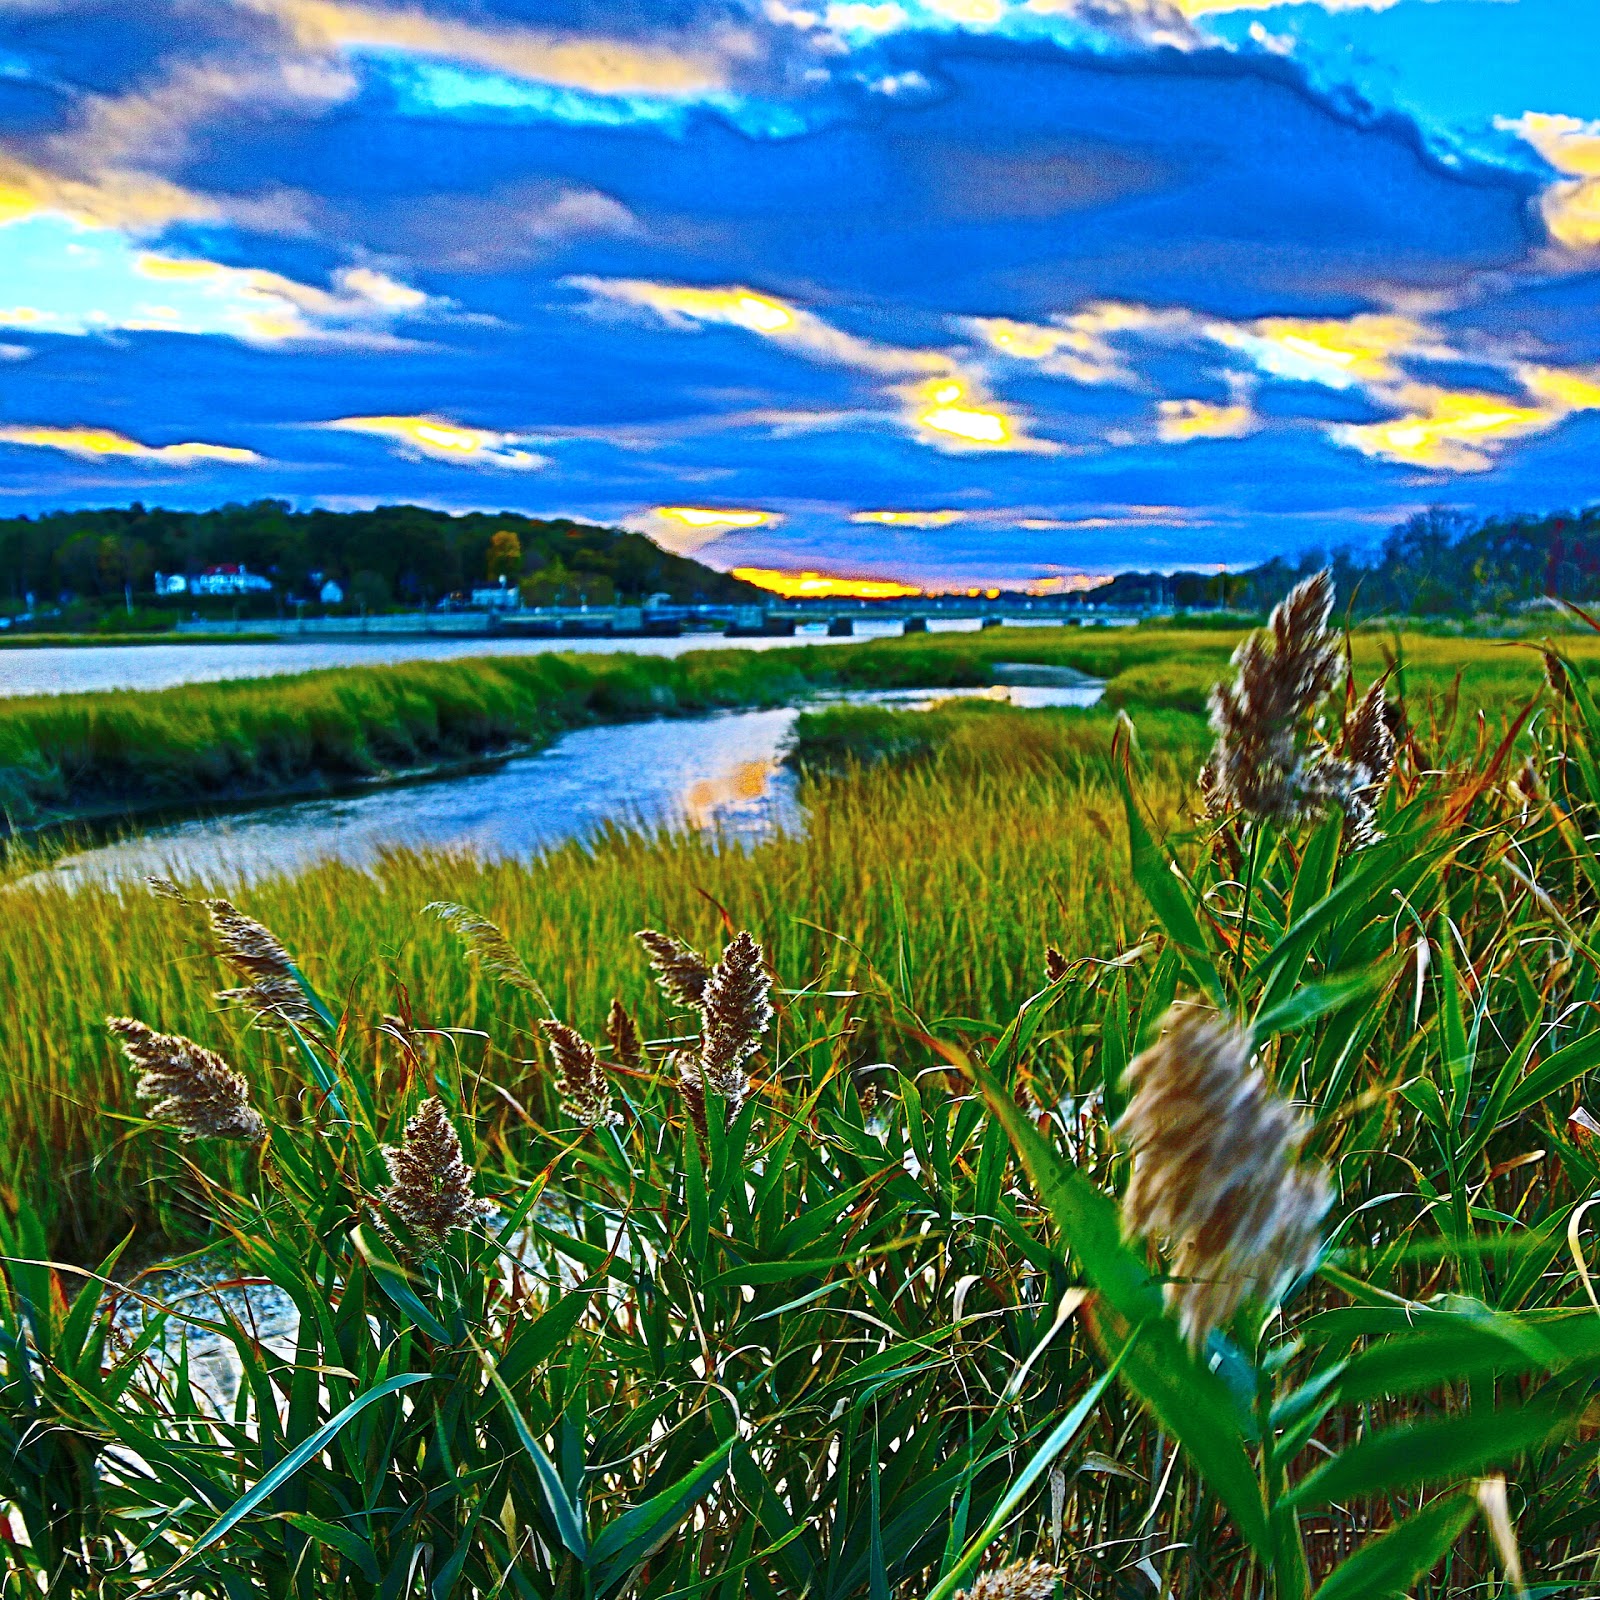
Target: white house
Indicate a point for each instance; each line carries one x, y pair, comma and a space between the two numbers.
230, 578
171, 583
331, 594
502, 597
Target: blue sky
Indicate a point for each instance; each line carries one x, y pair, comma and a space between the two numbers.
951, 291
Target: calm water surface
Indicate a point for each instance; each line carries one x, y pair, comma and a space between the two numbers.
94, 668
722, 772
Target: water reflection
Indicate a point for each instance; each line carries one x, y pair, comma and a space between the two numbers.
721, 772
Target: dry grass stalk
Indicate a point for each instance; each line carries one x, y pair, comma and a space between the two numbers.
681, 972
1283, 673
190, 1086
1021, 1580
737, 1009
585, 1091
487, 944
430, 1186
622, 1034
1217, 1170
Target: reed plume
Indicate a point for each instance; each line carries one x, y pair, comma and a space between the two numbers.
737, 1010
190, 1086
622, 1034
691, 1088
681, 972
430, 1186
275, 993
1257, 766
1021, 1580
1216, 1170
581, 1081
1056, 965
486, 943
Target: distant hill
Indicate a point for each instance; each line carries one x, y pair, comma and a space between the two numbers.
390, 555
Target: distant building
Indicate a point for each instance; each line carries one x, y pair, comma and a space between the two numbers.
171, 583
330, 594
230, 578
499, 597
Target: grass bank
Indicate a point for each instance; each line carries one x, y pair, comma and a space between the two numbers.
103, 755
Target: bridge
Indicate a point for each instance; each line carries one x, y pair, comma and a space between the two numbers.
780, 618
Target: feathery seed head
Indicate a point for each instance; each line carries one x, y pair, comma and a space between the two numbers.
487, 944
1283, 674
691, 1088
1555, 674
1021, 1580
1369, 736
585, 1092
166, 889
1056, 965
1216, 1170
680, 971
622, 1034
246, 945
430, 1187
737, 1009
191, 1087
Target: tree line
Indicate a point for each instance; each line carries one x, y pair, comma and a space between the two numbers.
1437, 563
390, 555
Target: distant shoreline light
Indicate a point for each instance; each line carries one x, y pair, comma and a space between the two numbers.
823, 586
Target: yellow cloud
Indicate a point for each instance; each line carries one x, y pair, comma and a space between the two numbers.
1340, 353
711, 517
602, 66
443, 440
909, 519
853, 17
1571, 207
1179, 421
823, 586
943, 406
947, 407
1446, 430
103, 442
135, 201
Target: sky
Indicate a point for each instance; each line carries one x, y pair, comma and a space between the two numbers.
940, 291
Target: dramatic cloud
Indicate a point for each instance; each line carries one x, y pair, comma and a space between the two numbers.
444, 440
103, 442
918, 291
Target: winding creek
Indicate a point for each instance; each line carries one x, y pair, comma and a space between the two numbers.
722, 772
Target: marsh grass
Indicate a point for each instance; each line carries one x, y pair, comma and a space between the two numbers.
878, 1332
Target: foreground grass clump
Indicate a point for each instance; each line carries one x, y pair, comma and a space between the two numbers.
1240, 1253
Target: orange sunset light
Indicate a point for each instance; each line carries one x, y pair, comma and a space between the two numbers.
823, 586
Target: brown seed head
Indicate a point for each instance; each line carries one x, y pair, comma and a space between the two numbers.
681, 972
1056, 965
1369, 737
1216, 1170
486, 943
737, 1010
691, 1088
1283, 674
430, 1187
1021, 1580
246, 945
1555, 674
585, 1091
191, 1087
623, 1036
166, 889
